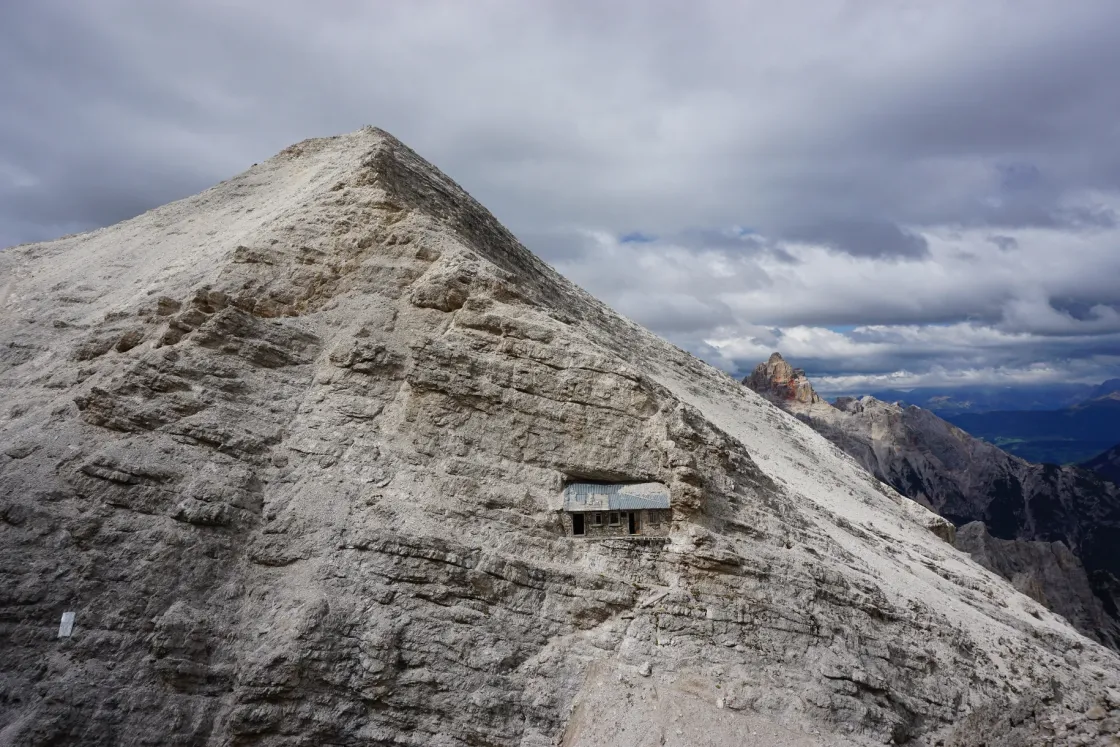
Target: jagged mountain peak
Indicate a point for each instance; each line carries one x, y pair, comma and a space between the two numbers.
778, 380
295, 453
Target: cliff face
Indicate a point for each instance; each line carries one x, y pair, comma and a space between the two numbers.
292, 451
965, 480
780, 381
1045, 571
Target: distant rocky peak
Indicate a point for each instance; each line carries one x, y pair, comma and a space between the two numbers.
867, 404
779, 380
848, 404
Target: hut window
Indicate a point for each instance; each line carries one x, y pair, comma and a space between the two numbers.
614, 518
597, 519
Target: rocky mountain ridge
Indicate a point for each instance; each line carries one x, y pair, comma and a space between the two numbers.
967, 480
1106, 464
292, 451
1106, 388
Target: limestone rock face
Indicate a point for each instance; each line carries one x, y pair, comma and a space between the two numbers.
967, 480
781, 381
292, 451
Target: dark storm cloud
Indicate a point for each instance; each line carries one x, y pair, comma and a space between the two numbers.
609, 115
1005, 243
864, 238
735, 242
943, 174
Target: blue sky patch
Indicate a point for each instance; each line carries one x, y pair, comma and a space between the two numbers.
637, 237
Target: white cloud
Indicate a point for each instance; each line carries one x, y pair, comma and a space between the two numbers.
970, 306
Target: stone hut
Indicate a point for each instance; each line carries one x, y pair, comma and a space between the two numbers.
599, 510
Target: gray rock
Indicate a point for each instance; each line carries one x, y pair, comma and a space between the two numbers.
1052, 531
313, 500
780, 381
1045, 571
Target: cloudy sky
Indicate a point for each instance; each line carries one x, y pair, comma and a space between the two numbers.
889, 193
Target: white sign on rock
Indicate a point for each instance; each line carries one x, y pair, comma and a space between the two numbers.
66, 627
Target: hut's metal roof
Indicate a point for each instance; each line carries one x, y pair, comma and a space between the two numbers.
592, 496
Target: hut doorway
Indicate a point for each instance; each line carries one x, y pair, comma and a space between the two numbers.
577, 525
635, 523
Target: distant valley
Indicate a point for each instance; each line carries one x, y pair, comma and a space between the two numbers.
947, 401
1068, 436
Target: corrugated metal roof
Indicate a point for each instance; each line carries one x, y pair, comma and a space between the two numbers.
591, 496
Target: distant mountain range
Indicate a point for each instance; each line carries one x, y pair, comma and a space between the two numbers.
947, 401
1106, 464
1054, 532
1104, 389
1067, 436
1048, 423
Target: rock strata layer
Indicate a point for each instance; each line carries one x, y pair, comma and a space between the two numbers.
292, 451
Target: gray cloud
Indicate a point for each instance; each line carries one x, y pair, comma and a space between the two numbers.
864, 238
1006, 243
802, 166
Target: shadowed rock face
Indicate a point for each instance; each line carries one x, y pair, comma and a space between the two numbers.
1107, 465
1045, 571
967, 480
293, 450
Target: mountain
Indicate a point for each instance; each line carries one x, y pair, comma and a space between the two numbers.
1065, 436
948, 401
1030, 507
781, 382
1106, 464
285, 463
1112, 386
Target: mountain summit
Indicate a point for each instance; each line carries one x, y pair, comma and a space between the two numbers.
779, 380
323, 455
